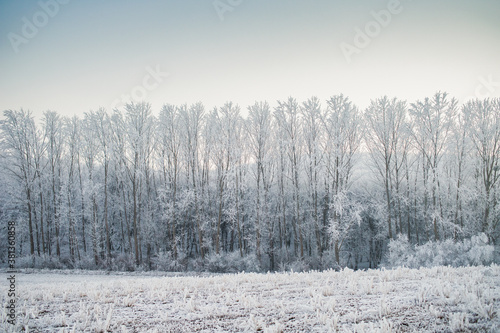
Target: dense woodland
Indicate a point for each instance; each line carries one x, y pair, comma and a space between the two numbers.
313, 184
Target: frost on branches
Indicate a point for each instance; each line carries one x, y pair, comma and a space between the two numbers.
300, 184
468, 252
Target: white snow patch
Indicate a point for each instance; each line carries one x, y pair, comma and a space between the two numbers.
398, 300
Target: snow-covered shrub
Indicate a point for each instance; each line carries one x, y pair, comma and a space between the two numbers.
162, 260
40, 262
469, 252
123, 262
25, 262
232, 263
430, 254
66, 262
195, 265
165, 261
328, 261
313, 262
216, 263
400, 251
480, 252
51, 263
496, 255
309, 263
298, 265
248, 263
86, 262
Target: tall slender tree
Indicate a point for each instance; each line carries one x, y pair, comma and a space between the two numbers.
341, 124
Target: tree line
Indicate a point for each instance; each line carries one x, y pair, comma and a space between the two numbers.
318, 183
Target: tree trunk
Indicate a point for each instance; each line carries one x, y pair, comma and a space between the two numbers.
106, 225
30, 223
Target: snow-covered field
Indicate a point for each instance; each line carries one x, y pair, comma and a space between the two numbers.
401, 300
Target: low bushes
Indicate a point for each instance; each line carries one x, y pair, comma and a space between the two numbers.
469, 252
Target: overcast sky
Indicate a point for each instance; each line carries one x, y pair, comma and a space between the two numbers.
82, 55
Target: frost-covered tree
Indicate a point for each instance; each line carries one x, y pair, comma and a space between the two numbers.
259, 129
20, 143
192, 122
170, 162
460, 153
484, 118
276, 188
100, 128
287, 115
385, 118
133, 134
90, 185
70, 193
432, 127
54, 133
313, 136
341, 124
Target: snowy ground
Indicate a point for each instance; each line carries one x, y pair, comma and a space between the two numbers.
402, 300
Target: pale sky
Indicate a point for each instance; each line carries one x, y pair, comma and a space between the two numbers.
82, 55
